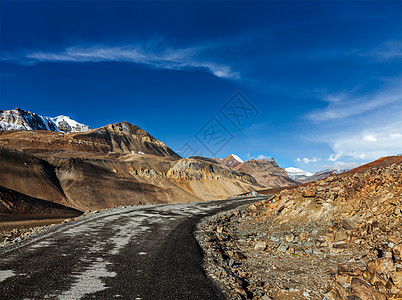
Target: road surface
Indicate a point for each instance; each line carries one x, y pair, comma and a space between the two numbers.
143, 252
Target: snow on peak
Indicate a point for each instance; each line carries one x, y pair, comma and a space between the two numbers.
18, 119
237, 158
297, 174
297, 171
65, 123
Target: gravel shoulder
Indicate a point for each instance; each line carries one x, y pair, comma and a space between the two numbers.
249, 259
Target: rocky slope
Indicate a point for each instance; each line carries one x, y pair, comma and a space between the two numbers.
18, 119
118, 164
231, 161
266, 172
338, 238
119, 138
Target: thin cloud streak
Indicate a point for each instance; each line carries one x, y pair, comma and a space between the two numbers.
152, 56
387, 51
308, 160
349, 105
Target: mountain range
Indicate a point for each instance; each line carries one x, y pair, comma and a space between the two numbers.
18, 119
270, 175
118, 164
265, 171
322, 175
64, 162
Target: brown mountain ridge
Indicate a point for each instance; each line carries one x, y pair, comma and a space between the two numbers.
266, 171
118, 164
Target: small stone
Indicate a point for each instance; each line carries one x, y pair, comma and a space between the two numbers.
381, 266
332, 295
289, 238
241, 291
290, 250
344, 279
259, 283
397, 278
275, 239
239, 255
309, 193
260, 246
347, 224
340, 236
308, 251
231, 262
283, 247
308, 244
316, 252
365, 291
303, 236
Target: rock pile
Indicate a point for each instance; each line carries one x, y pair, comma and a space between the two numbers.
338, 238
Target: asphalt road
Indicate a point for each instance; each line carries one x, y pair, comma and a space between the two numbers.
143, 252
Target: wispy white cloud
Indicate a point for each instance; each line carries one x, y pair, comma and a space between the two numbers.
308, 160
361, 128
334, 156
347, 105
153, 54
370, 138
388, 50
395, 135
370, 144
341, 165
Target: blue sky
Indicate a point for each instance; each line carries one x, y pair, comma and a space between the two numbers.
322, 80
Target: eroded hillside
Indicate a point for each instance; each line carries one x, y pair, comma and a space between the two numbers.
119, 164
338, 238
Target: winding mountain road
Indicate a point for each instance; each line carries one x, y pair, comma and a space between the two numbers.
142, 252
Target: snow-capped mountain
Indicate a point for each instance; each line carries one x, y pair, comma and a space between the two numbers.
297, 174
232, 161
18, 119
237, 158
324, 174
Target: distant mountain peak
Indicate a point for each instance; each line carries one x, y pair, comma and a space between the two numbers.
297, 174
237, 158
265, 170
19, 119
232, 161
324, 174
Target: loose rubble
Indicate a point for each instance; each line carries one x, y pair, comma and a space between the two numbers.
338, 238
16, 235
